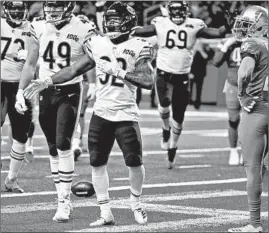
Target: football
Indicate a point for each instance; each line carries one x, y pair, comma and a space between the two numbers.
83, 189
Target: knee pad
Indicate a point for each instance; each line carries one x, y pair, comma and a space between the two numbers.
164, 112
96, 159
53, 150
176, 127
165, 102
133, 160
234, 124
63, 143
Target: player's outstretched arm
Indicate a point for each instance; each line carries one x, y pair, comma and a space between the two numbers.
146, 31
82, 65
211, 33
29, 68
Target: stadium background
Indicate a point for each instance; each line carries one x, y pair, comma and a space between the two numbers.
212, 12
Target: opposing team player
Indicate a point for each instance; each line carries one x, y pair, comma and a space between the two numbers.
57, 41
15, 32
251, 27
176, 36
229, 51
115, 109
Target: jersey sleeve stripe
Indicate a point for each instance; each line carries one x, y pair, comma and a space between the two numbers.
33, 32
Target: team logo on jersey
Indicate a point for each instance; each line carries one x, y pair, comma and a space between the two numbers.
129, 52
245, 46
26, 34
72, 37
57, 34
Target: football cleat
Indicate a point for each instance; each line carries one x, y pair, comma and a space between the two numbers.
63, 211
140, 216
104, 221
171, 157
13, 186
234, 158
83, 189
248, 228
165, 139
77, 152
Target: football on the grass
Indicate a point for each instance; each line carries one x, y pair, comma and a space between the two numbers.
83, 189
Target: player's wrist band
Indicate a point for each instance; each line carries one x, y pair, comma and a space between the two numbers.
48, 81
20, 92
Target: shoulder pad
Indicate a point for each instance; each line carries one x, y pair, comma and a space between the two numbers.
157, 19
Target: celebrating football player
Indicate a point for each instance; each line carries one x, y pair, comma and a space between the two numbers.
115, 110
57, 41
176, 35
251, 27
15, 32
229, 51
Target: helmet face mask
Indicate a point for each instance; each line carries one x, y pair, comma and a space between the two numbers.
252, 22
16, 11
57, 12
118, 20
178, 11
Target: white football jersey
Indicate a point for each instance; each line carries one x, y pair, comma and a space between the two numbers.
175, 43
13, 40
116, 99
60, 48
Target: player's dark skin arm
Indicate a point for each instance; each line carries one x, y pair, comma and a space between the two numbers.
219, 58
81, 66
211, 33
146, 31
143, 75
29, 68
245, 72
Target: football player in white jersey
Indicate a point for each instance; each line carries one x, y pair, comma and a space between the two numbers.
176, 36
57, 41
115, 110
15, 32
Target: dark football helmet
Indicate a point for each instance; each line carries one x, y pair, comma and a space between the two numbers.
118, 20
178, 11
16, 11
57, 12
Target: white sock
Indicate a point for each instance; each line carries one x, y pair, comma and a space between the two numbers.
17, 154
54, 167
76, 138
233, 150
136, 176
66, 170
175, 133
165, 115
100, 181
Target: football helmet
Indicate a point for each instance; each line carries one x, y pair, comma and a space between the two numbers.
57, 12
178, 11
118, 20
16, 11
252, 22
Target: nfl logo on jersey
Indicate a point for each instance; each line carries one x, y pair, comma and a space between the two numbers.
57, 34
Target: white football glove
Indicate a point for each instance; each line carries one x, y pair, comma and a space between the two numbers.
91, 92
22, 54
111, 68
20, 102
37, 86
229, 42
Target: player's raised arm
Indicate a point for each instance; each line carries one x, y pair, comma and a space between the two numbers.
223, 51
146, 31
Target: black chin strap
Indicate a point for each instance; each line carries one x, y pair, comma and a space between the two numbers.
12, 24
120, 39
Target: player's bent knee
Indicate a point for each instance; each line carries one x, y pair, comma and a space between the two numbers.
63, 143
53, 150
96, 160
234, 124
165, 102
176, 127
133, 160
